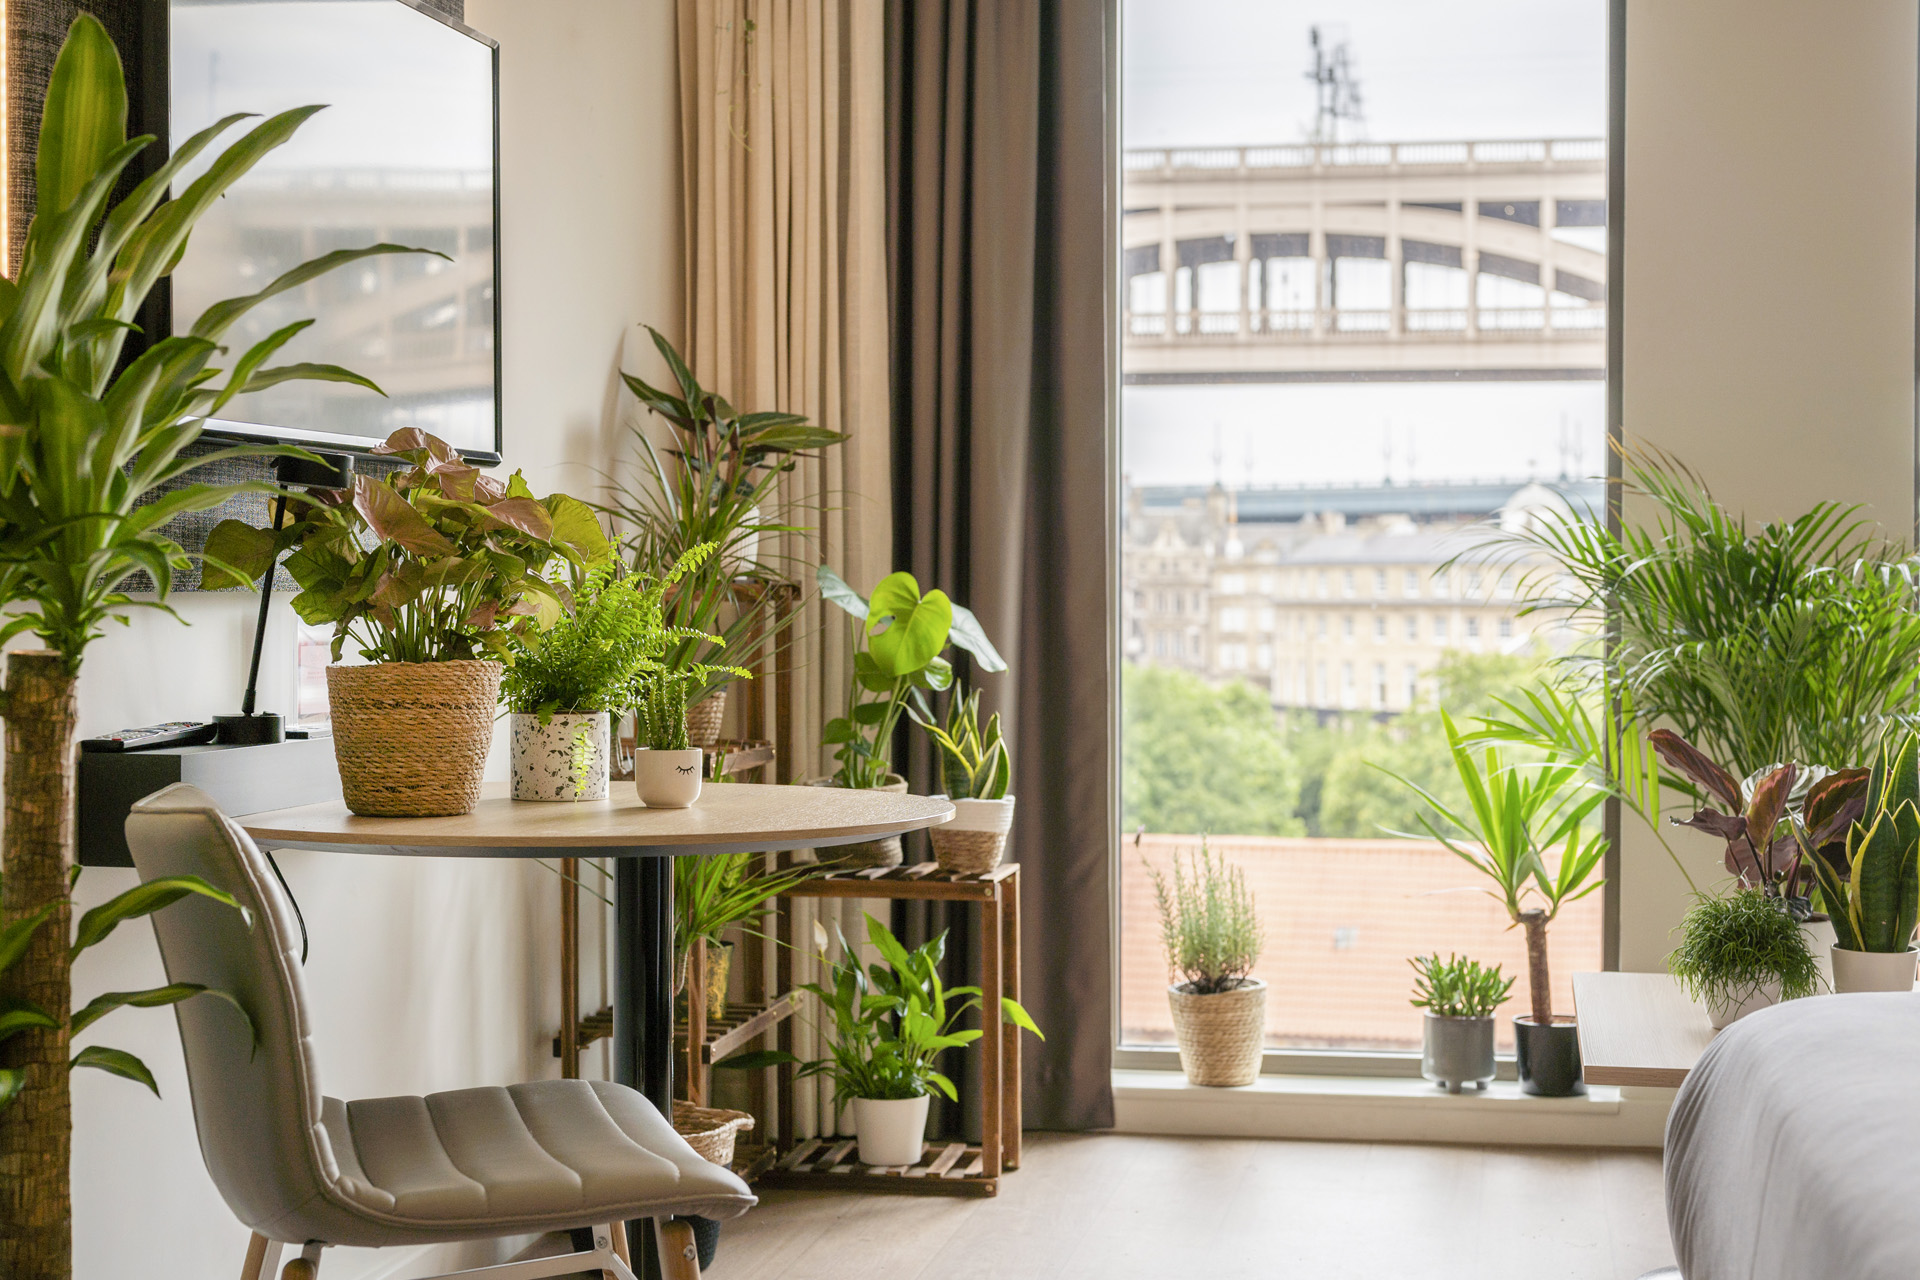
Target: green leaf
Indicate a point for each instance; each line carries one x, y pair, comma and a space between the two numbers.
393, 519
116, 1062
142, 900
755, 1060
237, 545
12, 1080
84, 117
17, 1016
968, 634
834, 590
216, 319
15, 937
307, 371
915, 625
154, 997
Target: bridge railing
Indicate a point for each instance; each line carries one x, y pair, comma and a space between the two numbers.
1311, 156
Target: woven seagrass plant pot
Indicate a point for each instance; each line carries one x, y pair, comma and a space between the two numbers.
710, 1131
866, 853
974, 840
1221, 1035
411, 738
703, 719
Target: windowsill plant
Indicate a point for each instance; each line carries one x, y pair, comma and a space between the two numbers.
1742, 952
1213, 938
977, 770
1460, 997
1872, 891
428, 570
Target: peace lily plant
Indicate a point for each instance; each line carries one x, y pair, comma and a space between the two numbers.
95, 459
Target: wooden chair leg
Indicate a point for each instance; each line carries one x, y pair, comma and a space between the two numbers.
263, 1257
617, 1238
679, 1256
306, 1266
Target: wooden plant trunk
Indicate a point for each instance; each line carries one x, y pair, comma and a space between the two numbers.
1539, 982
36, 852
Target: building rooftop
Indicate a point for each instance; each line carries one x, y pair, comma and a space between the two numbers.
1467, 500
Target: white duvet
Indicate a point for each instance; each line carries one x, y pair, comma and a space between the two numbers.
1793, 1150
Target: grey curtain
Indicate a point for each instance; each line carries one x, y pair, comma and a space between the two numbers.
999, 232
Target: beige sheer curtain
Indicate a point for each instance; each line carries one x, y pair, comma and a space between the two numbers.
782, 105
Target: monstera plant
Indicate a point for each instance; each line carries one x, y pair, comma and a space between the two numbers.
94, 461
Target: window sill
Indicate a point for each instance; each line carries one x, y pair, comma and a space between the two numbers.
1386, 1109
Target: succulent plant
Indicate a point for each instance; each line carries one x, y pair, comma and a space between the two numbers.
1874, 896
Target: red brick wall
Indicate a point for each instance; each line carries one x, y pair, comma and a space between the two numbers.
1398, 898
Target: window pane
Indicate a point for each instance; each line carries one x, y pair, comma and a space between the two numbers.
1365, 322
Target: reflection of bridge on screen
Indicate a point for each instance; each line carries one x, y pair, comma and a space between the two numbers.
1474, 260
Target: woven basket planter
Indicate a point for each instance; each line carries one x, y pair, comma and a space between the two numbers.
974, 840
710, 1131
411, 738
865, 853
1221, 1035
703, 720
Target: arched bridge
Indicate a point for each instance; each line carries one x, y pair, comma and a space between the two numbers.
1399, 260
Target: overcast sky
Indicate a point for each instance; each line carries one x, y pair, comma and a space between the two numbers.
1229, 72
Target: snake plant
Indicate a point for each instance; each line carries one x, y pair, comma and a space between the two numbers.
1874, 898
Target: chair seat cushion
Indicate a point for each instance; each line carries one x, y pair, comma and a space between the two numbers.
528, 1154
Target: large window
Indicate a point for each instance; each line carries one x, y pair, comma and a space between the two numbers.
1365, 321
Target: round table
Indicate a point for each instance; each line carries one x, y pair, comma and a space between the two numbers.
735, 817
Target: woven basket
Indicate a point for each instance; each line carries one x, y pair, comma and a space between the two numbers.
411, 738
967, 853
1220, 1035
709, 1130
703, 720
865, 853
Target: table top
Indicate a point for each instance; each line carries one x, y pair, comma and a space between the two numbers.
1638, 1029
731, 817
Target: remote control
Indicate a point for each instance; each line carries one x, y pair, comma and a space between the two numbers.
175, 733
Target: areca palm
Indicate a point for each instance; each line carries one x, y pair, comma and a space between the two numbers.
95, 459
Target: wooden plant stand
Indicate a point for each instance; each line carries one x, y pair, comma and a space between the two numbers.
944, 1168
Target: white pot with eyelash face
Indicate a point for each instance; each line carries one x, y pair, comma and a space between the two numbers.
667, 779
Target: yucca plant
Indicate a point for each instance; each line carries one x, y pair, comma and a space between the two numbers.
93, 464
1516, 815
1873, 897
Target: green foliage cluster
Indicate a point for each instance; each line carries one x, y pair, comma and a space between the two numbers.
435, 562
1732, 946
1874, 900
713, 894
974, 762
1457, 987
1208, 923
595, 655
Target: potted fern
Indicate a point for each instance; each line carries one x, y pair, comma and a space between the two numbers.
1742, 952
94, 461
1873, 896
1460, 997
667, 767
977, 769
1213, 938
566, 683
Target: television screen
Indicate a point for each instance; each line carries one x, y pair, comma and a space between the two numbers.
404, 153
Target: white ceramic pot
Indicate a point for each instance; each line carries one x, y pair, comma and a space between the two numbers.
892, 1131
1819, 937
1724, 1013
1873, 970
740, 557
667, 779
563, 759
974, 840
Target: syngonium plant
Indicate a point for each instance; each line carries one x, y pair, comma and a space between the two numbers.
1872, 891
95, 458
433, 563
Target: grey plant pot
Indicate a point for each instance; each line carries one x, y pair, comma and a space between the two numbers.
1457, 1052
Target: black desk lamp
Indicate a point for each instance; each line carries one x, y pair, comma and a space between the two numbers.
330, 471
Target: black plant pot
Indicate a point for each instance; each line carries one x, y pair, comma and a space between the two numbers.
1549, 1057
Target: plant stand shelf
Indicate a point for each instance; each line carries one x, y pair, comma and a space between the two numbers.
828, 1163
831, 1164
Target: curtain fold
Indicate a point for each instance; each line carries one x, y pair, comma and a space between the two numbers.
783, 172
999, 230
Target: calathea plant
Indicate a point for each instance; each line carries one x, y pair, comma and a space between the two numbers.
94, 461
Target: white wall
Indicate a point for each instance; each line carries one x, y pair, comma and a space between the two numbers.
1769, 299
425, 975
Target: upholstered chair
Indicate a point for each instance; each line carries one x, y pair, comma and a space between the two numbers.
301, 1169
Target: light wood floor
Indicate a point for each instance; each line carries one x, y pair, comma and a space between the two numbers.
1110, 1207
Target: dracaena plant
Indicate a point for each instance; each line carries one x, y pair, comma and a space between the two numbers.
898, 637
716, 482
435, 562
1872, 889
1776, 823
95, 459
974, 761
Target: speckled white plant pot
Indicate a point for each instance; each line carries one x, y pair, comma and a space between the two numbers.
544, 755
667, 779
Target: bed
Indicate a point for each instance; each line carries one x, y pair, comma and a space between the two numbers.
1793, 1150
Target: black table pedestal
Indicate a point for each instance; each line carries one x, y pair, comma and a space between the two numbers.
643, 1004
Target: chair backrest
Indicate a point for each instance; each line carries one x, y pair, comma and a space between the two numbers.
256, 1098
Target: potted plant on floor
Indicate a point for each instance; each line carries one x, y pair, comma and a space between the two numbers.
95, 459
1460, 997
1742, 952
1873, 896
717, 484
566, 682
1213, 938
977, 770
427, 570
898, 637
890, 1022
1516, 816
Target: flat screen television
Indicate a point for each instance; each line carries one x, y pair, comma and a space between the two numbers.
406, 152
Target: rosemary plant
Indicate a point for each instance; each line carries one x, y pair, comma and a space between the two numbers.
1208, 923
